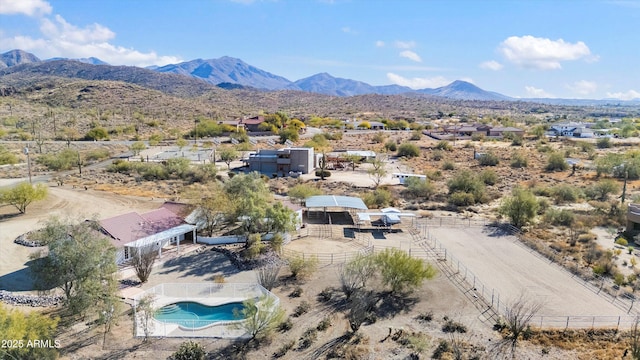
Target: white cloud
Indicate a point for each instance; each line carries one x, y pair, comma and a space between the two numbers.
411, 55
583, 87
62, 39
629, 95
348, 30
541, 53
491, 65
380, 43
61, 29
25, 7
405, 44
418, 83
538, 93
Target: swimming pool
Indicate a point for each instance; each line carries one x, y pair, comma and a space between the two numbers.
192, 315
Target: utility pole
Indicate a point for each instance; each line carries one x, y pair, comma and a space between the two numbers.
26, 152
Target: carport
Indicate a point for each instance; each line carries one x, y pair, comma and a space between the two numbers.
334, 209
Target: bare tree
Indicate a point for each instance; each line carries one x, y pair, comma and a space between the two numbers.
377, 171
516, 322
268, 276
145, 312
142, 261
635, 340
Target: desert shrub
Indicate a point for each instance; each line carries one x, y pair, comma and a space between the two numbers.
437, 155
451, 326
189, 350
466, 183
586, 238
319, 173
419, 188
308, 338
602, 189
97, 133
565, 193
416, 135
489, 177
379, 138
284, 349
519, 161
286, 325
434, 175
63, 160
488, 159
297, 292
556, 162
7, 157
585, 146
442, 349
408, 150
448, 165
477, 137
326, 294
425, 316
324, 324
378, 198
301, 309
622, 241
560, 217
97, 154
517, 141
302, 268
391, 145
444, 145
604, 143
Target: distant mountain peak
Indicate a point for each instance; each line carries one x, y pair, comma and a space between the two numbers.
17, 57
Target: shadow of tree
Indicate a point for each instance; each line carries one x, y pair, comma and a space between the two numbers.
391, 304
199, 264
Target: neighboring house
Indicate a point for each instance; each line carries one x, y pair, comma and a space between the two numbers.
150, 231
583, 132
501, 131
282, 161
568, 128
252, 124
633, 218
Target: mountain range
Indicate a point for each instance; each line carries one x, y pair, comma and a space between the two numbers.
232, 73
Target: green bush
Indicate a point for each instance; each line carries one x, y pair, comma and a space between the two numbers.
622, 241
448, 165
7, 157
519, 161
390, 145
301, 309
416, 135
604, 143
466, 182
460, 198
378, 198
408, 150
559, 217
97, 133
556, 162
97, 154
189, 350
565, 193
437, 155
319, 173
419, 188
489, 177
488, 159
444, 145
63, 160
477, 137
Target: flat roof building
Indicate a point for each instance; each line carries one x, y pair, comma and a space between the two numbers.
281, 162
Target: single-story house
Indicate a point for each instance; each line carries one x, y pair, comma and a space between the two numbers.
252, 124
150, 231
500, 131
633, 217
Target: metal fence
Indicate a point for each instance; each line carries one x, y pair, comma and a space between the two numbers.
205, 294
327, 258
470, 284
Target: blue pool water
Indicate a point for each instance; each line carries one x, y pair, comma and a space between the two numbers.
191, 314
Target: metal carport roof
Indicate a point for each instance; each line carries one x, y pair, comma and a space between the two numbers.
325, 201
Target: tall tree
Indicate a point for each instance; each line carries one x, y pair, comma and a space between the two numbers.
521, 207
23, 194
79, 261
377, 171
227, 155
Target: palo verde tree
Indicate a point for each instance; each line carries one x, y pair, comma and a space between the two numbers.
227, 155
377, 171
19, 329
261, 317
401, 272
80, 262
23, 194
521, 207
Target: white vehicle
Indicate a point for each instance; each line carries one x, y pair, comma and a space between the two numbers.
403, 177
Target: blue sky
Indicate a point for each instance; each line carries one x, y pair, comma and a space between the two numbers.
534, 48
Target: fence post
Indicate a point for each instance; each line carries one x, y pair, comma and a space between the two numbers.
567, 326
618, 326
332, 257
